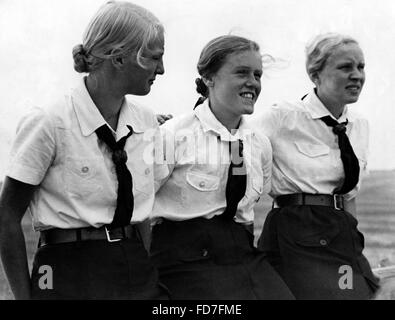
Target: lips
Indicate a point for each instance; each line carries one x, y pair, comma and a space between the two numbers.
248, 95
353, 87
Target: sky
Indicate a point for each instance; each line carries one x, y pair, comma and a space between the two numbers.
36, 39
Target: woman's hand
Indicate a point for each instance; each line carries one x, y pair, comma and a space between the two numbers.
351, 207
162, 118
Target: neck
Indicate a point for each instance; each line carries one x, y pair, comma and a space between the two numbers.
106, 98
229, 121
334, 108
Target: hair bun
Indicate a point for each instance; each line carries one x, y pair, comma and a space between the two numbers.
201, 88
79, 56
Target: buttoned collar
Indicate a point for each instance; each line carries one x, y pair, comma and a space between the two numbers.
209, 122
90, 118
317, 109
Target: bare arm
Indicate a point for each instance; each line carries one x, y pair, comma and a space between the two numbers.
14, 199
351, 207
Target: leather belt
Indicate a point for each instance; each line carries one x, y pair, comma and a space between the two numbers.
299, 199
53, 236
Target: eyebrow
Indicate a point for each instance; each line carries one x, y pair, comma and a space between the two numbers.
347, 60
159, 52
246, 67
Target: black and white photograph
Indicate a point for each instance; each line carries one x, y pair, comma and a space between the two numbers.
181, 150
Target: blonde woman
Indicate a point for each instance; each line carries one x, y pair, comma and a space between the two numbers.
320, 151
78, 166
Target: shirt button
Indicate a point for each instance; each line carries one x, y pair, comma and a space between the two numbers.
85, 170
202, 184
323, 242
204, 252
147, 171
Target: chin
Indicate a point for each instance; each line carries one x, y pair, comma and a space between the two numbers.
249, 110
351, 100
143, 92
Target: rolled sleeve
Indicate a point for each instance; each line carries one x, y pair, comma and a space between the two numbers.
33, 149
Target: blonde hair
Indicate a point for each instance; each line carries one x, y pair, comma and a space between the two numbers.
119, 28
321, 47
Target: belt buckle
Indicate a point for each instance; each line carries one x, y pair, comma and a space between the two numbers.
109, 236
338, 201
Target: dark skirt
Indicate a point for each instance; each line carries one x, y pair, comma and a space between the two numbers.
95, 270
213, 260
318, 252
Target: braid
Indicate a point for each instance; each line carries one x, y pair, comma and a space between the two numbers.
202, 89
79, 56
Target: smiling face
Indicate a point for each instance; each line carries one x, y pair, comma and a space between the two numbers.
341, 80
137, 79
235, 88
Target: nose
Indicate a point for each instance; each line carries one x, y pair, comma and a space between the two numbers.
160, 69
253, 82
357, 74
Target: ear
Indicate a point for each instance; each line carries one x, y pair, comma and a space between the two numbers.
314, 77
208, 82
118, 62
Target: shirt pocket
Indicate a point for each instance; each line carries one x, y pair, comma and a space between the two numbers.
143, 179
312, 150
82, 176
202, 182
